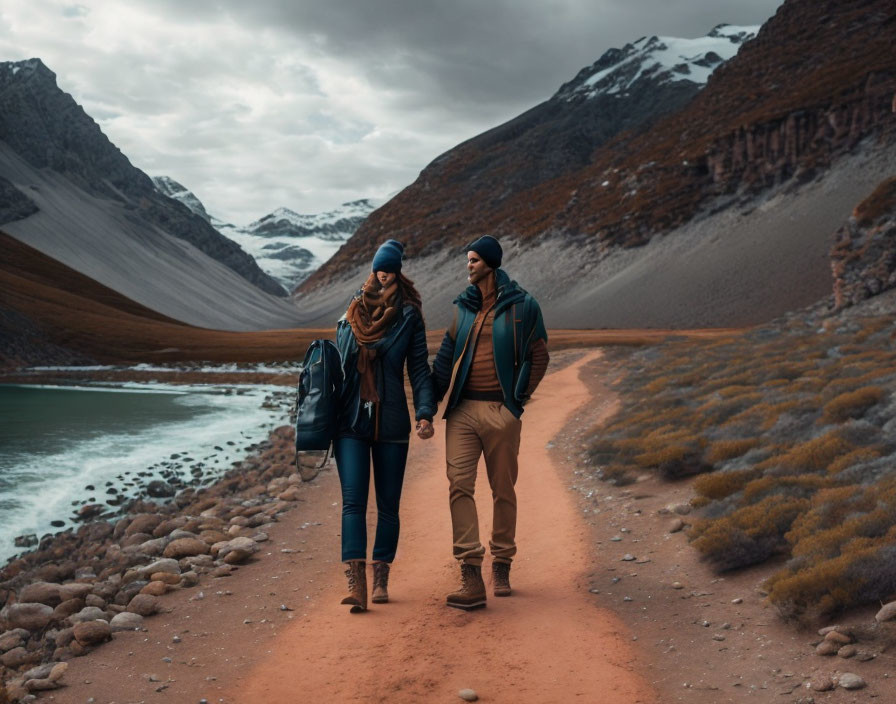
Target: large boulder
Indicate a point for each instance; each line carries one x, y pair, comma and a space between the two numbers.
67, 608
30, 616
143, 523
166, 527
237, 550
74, 590
13, 639
126, 621
92, 632
164, 565
41, 593
143, 604
185, 547
19, 656
887, 612
88, 613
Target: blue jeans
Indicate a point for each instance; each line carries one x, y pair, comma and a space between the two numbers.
353, 457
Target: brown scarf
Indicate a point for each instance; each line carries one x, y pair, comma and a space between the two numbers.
370, 314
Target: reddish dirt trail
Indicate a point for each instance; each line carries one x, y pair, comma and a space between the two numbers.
546, 643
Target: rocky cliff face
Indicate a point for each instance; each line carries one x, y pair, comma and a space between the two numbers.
45, 126
818, 80
863, 258
14, 204
802, 141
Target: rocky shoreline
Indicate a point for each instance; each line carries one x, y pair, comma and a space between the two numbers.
78, 587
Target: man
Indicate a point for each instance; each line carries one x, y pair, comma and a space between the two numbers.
491, 359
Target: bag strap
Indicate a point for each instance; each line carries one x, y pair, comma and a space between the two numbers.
326, 458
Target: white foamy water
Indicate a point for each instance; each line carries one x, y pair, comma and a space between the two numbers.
42, 474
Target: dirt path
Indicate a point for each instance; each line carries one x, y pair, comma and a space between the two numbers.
548, 643
230, 642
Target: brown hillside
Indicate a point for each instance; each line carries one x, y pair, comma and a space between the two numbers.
819, 79
77, 313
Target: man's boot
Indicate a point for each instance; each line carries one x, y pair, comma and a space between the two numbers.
471, 594
356, 573
501, 578
380, 582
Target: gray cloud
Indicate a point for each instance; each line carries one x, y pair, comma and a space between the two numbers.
306, 104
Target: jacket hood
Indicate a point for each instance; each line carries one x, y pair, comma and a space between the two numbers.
509, 291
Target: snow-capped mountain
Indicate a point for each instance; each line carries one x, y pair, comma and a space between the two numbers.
173, 189
288, 246
291, 246
660, 59
626, 90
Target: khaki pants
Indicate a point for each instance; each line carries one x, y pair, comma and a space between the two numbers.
475, 428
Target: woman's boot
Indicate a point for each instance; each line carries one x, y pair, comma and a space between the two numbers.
356, 573
380, 582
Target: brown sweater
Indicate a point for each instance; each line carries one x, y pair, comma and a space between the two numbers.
483, 377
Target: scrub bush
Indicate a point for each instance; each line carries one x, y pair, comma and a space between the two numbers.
728, 449
852, 404
718, 485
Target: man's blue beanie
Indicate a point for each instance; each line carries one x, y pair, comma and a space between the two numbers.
489, 249
388, 257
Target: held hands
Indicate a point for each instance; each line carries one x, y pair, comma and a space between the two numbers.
424, 429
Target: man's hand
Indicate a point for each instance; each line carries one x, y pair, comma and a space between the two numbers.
424, 429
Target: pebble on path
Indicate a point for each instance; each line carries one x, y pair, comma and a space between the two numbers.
468, 695
848, 680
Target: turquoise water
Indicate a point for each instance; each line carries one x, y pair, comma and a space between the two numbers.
61, 447
42, 421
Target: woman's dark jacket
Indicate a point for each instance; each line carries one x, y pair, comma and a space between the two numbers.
403, 343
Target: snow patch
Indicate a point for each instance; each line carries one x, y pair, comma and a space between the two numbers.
666, 59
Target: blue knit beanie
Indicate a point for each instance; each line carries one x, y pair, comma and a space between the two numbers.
388, 257
489, 249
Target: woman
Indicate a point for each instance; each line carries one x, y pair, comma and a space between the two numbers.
381, 333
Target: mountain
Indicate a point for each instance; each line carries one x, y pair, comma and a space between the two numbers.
285, 244
171, 188
67, 191
625, 89
720, 211
291, 246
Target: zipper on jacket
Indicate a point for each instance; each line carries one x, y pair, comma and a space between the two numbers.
457, 364
516, 357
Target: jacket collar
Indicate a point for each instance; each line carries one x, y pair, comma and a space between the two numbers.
509, 291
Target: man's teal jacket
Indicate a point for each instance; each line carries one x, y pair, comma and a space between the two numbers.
517, 324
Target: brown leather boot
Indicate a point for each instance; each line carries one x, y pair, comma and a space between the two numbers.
471, 594
380, 582
356, 573
501, 578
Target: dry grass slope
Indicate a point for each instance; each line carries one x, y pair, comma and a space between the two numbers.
792, 430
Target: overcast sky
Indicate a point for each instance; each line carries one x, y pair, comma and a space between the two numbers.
257, 104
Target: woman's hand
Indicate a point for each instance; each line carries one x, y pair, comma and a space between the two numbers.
424, 429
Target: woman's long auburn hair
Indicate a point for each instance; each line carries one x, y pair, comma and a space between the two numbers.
409, 293
406, 288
